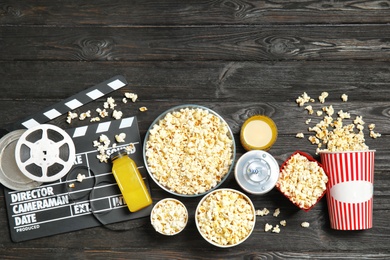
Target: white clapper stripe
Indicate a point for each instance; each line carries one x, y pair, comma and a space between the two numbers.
30, 123
73, 104
53, 113
103, 127
95, 94
80, 131
116, 84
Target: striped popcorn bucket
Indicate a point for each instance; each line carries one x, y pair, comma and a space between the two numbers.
350, 188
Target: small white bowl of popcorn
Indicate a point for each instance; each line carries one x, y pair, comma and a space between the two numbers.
225, 217
169, 217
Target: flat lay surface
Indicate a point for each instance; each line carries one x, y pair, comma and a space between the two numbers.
237, 58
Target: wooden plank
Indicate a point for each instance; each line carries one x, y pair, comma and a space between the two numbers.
138, 13
221, 81
253, 43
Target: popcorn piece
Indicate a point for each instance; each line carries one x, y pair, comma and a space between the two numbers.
319, 113
276, 229
131, 96
305, 224
70, 117
299, 135
71, 185
262, 212
322, 97
344, 97
308, 121
85, 115
117, 114
130, 148
169, 217
309, 109
268, 227
304, 98
102, 113
124, 100
225, 217
95, 119
110, 103
283, 223
143, 109
189, 151
302, 181
102, 145
120, 138
80, 177
276, 213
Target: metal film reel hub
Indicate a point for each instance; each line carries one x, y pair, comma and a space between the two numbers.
45, 153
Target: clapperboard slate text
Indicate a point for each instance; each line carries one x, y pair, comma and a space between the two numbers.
55, 208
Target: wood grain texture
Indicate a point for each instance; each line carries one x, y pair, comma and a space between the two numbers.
256, 43
209, 12
237, 57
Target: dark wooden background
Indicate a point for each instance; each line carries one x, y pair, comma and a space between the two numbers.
237, 57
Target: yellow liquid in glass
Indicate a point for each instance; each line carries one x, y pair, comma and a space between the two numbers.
130, 182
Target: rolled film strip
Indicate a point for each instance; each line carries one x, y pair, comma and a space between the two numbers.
10, 174
7, 172
45, 153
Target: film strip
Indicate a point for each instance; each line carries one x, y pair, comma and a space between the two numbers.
55, 208
71, 103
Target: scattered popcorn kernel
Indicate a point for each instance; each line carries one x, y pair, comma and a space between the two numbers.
276, 213
70, 117
117, 114
319, 113
344, 97
276, 229
283, 223
308, 121
309, 109
322, 97
80, 177
95, 119
262, 212
301, 100
102, 113
85, 115
124, 100
131, 96
120, 138
268, 227
300, 135
143, 109
71, 185
305, 224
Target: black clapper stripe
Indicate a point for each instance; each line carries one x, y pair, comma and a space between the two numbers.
70, 103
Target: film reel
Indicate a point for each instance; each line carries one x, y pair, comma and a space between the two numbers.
45, 153
10, 175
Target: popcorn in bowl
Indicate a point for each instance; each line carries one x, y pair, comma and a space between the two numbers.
302, 180
225, 217
189, 150
169, 216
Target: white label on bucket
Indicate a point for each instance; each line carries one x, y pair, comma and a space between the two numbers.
352, 191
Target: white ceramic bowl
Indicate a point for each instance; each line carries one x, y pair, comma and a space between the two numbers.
170, 189
169, 217
215, 212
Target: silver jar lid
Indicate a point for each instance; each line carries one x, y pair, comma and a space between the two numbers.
257, 172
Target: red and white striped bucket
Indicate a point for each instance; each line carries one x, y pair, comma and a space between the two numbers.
350, 188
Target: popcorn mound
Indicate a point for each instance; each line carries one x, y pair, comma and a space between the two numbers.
302, 180
225, 217
189, 151
334, 134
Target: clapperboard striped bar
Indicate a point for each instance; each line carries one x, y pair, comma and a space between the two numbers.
71, 103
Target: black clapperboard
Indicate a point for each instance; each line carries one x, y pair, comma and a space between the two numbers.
68, 204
